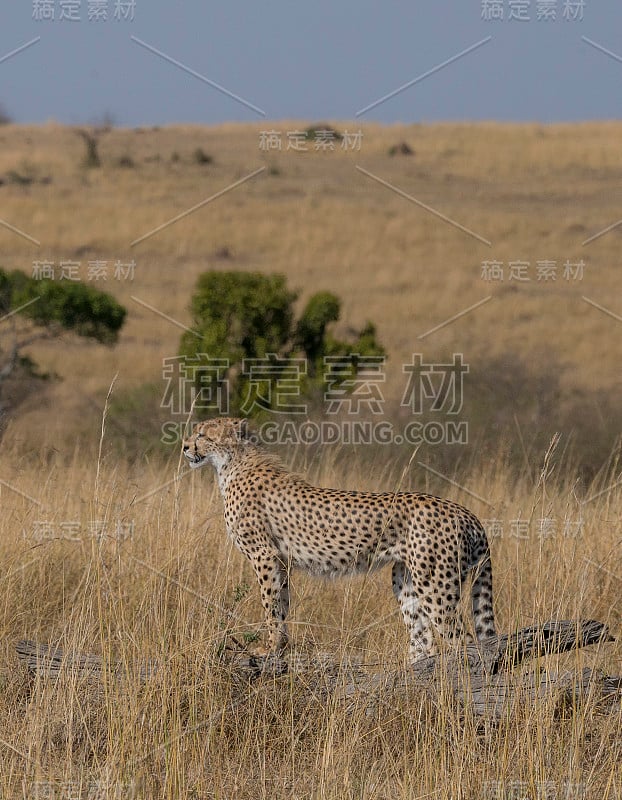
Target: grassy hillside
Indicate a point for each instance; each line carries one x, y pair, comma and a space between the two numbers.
535, 193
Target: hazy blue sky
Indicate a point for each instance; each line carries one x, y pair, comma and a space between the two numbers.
313, 60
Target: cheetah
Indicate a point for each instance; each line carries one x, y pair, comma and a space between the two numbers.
281, 522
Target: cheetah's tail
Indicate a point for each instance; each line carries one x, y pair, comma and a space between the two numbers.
481, 596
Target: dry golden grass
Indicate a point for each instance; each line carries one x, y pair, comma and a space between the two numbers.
175, 589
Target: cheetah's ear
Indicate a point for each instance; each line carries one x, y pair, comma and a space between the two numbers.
241, 430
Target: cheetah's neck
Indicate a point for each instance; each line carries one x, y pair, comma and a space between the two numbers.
231, 465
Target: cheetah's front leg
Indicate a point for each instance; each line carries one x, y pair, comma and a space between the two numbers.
274, 587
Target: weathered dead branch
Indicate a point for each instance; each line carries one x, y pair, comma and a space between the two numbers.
482, 677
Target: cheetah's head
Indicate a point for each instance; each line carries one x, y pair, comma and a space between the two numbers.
215, 440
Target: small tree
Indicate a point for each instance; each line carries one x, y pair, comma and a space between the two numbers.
91, 158
239, 316
32, 310
5, 119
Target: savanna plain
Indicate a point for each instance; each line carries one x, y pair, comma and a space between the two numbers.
108, 545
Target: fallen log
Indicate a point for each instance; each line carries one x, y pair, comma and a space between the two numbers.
481, 676
47, 661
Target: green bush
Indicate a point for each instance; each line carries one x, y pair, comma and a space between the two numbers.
51, 308
239, 315
63, 305
322, 309
201, 157
248, 315
323, 129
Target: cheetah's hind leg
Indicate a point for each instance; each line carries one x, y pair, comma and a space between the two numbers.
416, 621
